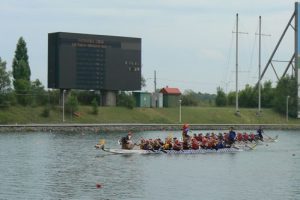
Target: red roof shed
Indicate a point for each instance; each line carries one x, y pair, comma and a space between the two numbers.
168, 90
171, 96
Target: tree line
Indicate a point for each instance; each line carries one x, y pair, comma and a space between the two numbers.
271, 97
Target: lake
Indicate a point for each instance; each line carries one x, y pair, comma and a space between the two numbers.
67, 166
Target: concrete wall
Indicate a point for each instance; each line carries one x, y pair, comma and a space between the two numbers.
83, 128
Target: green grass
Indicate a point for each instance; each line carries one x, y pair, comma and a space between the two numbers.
193, 115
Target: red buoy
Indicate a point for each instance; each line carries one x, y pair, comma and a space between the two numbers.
98, 185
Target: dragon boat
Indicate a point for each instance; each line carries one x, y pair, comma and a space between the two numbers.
234, 149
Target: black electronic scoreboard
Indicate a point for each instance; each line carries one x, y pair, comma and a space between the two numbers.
93, 62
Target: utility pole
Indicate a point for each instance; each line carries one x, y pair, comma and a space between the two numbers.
63, 105
154, 81
237, 65
287, 108
259, 66
180, 110
237, 112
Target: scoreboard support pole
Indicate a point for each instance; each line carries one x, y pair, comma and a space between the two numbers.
109, 97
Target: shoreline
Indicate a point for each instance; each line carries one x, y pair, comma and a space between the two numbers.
136, 127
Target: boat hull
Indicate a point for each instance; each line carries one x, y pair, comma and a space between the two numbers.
189, 151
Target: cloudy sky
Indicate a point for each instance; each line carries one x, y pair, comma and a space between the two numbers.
189, 43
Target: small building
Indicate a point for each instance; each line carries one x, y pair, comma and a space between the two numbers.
142, 99
171, 96
157, 100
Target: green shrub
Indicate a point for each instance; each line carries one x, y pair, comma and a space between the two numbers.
72, 104
46, 112
94, 106
125, 100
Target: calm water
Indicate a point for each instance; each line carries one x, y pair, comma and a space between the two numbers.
66, 166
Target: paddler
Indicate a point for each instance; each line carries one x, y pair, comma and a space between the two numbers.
246, 137
212, 135
199, 137
126, 142
231, 136
226, 138
168, 144
239, 137
252, 137
212, 142
142, 143
147, 145
156, 144
259, 133
177, 145
185, 130
220, 145
195, 144
204, 142
220, 137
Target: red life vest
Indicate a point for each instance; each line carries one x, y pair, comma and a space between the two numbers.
246, 137
195, 144
239, 137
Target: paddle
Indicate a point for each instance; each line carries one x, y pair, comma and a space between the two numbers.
161, 149
170, 136
269, 137
252, 148
235, 147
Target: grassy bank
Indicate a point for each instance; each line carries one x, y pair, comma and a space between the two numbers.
193, 115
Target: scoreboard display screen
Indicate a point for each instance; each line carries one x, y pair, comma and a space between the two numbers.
93, 62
